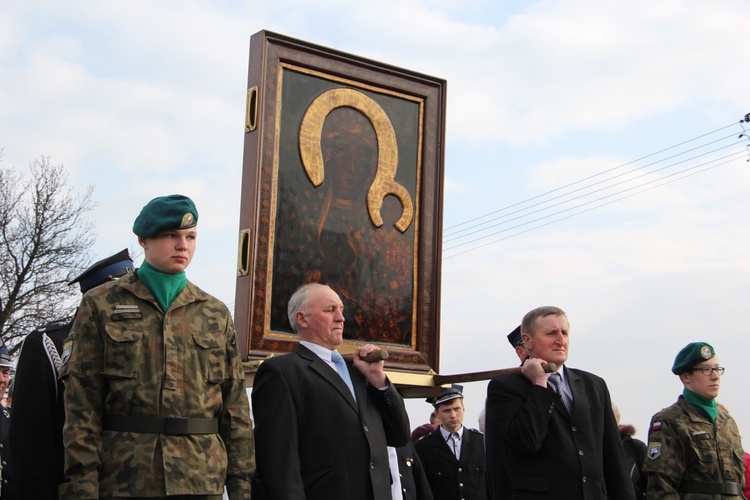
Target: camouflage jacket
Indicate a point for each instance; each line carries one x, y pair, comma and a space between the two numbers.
124, 356
685, 446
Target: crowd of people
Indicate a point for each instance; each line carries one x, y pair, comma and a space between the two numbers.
142, 395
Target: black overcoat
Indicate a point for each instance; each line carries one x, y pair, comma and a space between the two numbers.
549, 453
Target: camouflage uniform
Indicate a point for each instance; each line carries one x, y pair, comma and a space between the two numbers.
125, 357
685, 446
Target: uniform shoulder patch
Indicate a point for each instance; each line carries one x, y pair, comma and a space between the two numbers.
656, 426
654, 450
68, 348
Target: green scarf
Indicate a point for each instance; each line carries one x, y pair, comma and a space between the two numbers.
707, 405
164, 286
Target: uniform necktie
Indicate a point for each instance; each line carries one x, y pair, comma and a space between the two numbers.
455, 444
342, 371
555, 380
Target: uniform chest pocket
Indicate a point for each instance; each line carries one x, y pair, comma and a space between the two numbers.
704, 447
122, 351
212, 354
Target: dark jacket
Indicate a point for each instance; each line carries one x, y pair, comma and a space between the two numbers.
313, 441
549, 453
37, 415
6, 471
414, 484
635, 453
452, 478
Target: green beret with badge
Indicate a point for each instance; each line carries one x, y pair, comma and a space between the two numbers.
691, 355
164, 213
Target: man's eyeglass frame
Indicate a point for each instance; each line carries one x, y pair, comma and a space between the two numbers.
707, 370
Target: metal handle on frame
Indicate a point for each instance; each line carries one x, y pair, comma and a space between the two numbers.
243, 253
251, 110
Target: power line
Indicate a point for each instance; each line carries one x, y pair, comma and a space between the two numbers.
730, 159
611, 182
593, 176
486, 227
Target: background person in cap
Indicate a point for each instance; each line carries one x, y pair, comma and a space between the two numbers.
6, 470
37, 415
155, 397
453, 455
423, 430
551, 451
694, 447
516, 341
498, 483
408, 478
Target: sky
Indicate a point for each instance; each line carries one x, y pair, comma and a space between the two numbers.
547, 101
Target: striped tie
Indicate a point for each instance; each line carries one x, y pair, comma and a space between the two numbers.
555, 380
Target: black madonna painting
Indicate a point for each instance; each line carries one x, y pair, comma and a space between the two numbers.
345, 210
347, 192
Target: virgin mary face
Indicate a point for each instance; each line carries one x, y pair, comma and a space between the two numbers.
350, 153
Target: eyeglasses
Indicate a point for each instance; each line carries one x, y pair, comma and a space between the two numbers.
706, 370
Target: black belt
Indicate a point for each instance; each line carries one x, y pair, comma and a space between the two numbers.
711, 488
161, 425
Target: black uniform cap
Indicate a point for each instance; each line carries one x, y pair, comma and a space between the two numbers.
447, 394
5, 361
515, 338
106, 269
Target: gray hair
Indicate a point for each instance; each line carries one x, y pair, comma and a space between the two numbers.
529, 320
298, 301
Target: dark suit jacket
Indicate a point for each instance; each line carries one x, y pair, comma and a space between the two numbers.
549, 453
414, 485
312, 441
37, 417
450, 478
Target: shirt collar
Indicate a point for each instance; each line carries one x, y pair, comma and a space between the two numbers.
446, 434
322, 352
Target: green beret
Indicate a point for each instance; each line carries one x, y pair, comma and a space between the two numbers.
166, 212
691, 355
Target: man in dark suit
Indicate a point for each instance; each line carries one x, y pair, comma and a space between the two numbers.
559, 437
412, 482
37, 417
498, 483
453, 455
314, 438
6, 471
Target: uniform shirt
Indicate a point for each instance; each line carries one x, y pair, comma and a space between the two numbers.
452, 441
684, 445
126, 357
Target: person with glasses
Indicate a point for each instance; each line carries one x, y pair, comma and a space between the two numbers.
694, 446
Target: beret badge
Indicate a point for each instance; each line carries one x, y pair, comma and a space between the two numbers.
187, 220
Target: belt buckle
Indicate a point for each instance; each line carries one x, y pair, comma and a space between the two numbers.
176, 425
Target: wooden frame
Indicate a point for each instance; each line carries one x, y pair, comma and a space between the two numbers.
342, 184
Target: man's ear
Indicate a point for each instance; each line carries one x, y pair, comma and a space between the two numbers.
300, 316
526, 337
